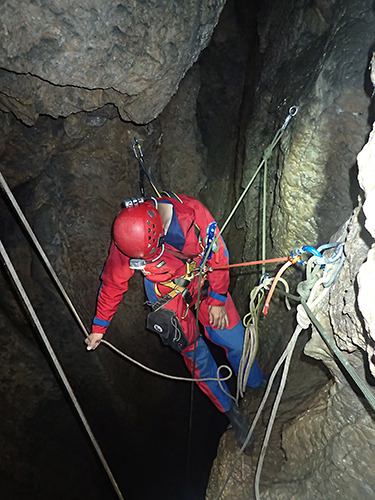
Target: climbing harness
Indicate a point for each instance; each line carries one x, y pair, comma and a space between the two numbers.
211, 244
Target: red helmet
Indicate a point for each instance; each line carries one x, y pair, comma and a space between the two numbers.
138, 231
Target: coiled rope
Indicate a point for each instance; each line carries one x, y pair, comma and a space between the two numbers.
285, 357
250, 321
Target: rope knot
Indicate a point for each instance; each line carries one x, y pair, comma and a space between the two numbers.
268, 152
302, 318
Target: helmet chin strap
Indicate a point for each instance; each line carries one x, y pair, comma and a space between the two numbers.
139, 264
158, 257
155, 202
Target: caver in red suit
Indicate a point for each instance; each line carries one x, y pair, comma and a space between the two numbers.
140, 242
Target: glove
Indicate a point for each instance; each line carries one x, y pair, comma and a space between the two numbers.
93, 340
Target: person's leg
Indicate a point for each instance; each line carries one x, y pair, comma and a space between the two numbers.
231, 338
204, 365
232, 341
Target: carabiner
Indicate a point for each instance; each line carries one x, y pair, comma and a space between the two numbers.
298, 251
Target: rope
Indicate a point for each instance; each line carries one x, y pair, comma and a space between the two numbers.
251, 340
339, 355
267, 154
252, 263
57, 365
264, 213
165, 375
41, 252
287, 355
274, 283
314, 282
261, 406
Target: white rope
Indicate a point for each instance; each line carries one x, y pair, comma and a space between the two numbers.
71, 305
314, 299
57, 365
41, 252
172, 377
302, 325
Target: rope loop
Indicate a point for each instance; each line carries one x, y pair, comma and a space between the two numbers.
302, 318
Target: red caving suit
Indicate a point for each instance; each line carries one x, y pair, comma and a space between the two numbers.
185, 239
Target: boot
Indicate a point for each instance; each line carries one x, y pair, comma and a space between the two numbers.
240, 427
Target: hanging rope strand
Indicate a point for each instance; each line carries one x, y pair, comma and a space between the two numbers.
58, 367
70, 303
41, 252
267, 154
264, 218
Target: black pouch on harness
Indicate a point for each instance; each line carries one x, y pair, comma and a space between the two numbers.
165, 323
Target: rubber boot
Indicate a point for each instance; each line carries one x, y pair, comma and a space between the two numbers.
240, 427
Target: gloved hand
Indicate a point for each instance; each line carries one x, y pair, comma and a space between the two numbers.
93, 340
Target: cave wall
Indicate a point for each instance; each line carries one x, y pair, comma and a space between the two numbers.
326, 449
66, 153
74, 91
310, 66
63, 58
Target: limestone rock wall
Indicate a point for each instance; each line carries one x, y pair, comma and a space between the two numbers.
69, 174
366, 297
99, 70
333, 439
325, 451
320, 66
327, 448
59, 58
